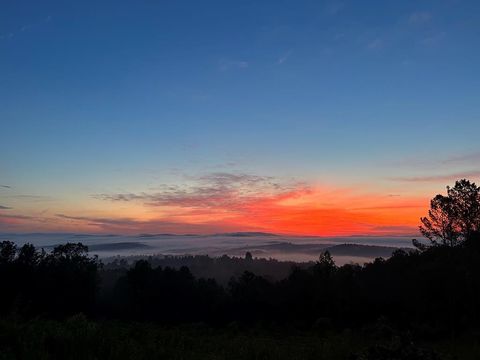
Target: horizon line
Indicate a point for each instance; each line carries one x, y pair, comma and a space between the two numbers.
233, 234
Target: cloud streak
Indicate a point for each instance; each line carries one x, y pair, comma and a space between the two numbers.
375, 44
215, 190
473, 157
12, 220
420, 17
18, 217
135, 226
439, 178
284, 57
23, 28
30, 198
225, 65
241, 202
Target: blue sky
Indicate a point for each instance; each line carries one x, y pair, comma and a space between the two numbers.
120, 96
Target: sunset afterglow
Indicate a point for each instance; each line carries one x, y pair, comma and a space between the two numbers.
161, 117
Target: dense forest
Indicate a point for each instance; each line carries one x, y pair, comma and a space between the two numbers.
221, 268
418, 304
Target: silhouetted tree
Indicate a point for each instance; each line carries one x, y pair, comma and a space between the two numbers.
69, 279
7, 252
325, 260
29, 256
454, 217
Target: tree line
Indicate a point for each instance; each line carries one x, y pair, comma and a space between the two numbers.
435, 287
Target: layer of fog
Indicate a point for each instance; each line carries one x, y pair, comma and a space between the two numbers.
291, 248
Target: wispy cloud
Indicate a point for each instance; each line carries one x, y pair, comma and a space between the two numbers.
11, 34
130, 225
396, 229
9, 220
100, 220
4, 207
241, 201
375, 44
121, 196
473, 157
420, 17
6, 186
15, 216
218, 189
225, 64
433, 38
438, 162
334, 7
6, 36
31, 198
440, 177
284, 57
391, 207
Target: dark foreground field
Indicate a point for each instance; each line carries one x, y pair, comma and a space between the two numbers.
418, 305
79, 338
421, 304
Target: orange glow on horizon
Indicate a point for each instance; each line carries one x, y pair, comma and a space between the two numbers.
315, 211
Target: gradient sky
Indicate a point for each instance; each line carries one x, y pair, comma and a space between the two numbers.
298, 117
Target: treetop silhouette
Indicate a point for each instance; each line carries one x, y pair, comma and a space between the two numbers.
453, 218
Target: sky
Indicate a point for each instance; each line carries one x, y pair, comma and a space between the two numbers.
329, 118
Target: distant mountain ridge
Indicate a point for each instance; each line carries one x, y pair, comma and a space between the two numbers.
245, 234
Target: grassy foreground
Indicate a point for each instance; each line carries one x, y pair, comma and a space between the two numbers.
79, 338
